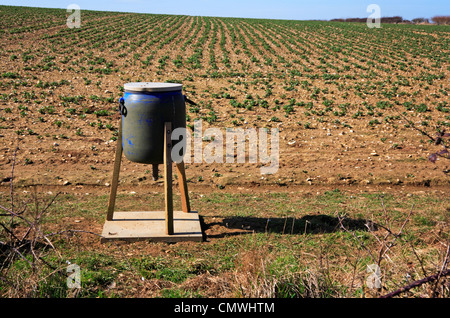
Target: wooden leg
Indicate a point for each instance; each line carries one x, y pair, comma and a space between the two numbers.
183, 187
115, 179
168, 177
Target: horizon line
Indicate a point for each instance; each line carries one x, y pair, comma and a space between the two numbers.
230, 17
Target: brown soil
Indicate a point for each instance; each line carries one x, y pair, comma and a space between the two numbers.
386, 157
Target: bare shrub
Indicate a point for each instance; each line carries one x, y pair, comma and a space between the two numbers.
24, 244
388, 239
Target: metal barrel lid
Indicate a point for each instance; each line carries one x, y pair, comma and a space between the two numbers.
152, 87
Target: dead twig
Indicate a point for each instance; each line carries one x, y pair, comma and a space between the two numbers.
417, 283
359, 241
439, 140
399, 235
386, 245
444, 265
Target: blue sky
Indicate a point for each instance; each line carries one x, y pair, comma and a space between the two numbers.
270, 9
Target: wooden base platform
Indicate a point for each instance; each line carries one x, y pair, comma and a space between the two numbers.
151, 226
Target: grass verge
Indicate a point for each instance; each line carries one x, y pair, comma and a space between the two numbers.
288, 245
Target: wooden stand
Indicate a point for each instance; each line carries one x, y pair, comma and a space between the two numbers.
168, 225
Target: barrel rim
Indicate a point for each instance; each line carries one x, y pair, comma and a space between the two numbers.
152, 87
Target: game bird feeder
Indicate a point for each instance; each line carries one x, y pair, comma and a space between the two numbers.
149, 113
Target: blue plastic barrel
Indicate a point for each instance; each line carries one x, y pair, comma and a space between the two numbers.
144, 108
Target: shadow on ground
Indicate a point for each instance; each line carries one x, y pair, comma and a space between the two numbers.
310, 224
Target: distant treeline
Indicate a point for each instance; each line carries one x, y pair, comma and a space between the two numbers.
441, 19
397, 19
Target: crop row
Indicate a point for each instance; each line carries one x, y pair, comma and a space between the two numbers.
300, 70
